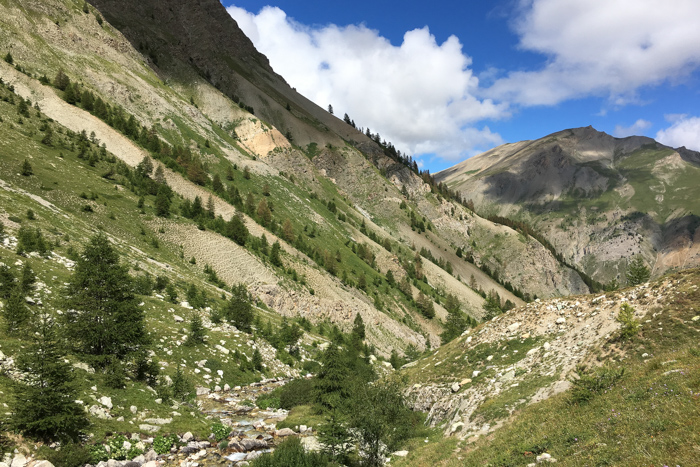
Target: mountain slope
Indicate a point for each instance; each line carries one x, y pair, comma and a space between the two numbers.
600, 200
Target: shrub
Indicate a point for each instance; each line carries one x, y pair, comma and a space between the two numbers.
593, 383
291, 453
70, 455
220, 431
271, 400
162, 444
297, 392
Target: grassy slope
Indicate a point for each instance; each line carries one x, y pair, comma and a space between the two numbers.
645, 418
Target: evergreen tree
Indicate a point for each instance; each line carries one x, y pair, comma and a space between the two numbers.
43, 404
238, 309
637, 271
275, 254
7, 281
26, 169
15, 312
492, 306
182, 388
104, 318
61, 81
358, 328
456, 321
236, 230
162, 203
27, 280
331, 388
264, 213
9, 59
197, 331
257, 361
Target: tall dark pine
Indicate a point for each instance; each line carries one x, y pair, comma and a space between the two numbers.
43, 404
104, 319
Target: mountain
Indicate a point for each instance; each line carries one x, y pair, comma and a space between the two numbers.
599, 200
259, 235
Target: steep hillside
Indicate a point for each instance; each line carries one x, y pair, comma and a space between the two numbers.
599, 200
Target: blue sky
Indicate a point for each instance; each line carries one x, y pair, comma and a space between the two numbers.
445, 80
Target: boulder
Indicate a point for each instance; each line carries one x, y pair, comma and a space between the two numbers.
149, 428
19, 461
455, 387
282, 433
106, 401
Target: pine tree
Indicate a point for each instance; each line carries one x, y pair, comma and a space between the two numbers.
637, 271
197, 331
257, 361
7, 281
104, 318
275, 254
43, 404
27, 279
456, 321
331, 390
236, 230
238, 309
15, 312
26, 169
162, 203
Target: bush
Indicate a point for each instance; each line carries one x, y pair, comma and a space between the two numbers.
162, 444
220, 431
591, 384
70, 455
291, 453
297, 392
270, 400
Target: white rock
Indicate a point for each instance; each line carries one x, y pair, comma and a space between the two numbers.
475, 373
400, 453
561, 320
19, 461
455, 387
489, 358
546, 346
106, 401
223, 350
149, 428
133, 409
178, 319
513, 327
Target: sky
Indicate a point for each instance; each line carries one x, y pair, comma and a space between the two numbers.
446, 80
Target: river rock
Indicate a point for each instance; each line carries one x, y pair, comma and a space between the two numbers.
19, 461
284, 432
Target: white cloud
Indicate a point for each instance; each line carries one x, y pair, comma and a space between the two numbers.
685, 131
607, 48
420, 95
636, 129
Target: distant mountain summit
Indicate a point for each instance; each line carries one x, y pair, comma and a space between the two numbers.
598, 199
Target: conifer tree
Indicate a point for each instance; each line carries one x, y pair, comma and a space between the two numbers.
238, 310
197, 331
43, 404
15, 312
7, 281
456, 321
27, 279
275, 254
331, 390
637, 271
26, 169
162, 203
104, 318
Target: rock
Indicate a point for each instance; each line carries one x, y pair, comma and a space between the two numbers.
236, 457
465, 381
99, 412
532, 351
19, 461
140, 460
508, 376
546, 346
178, 319
202, 391
43, 464
222, 349
284, 432
475, 373
84, 367
253, 444
489, 358
106, 401
455, 387
2, 464
545, 457
149, 428
696, 318
227, 388
131, 464
158, 421
456, 426
311, 443
114, 463
561, 320
513, 327
400, 453
152, 463
187, 437
151, 455
133, 409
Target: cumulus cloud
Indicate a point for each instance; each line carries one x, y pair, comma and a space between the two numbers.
420, 95
684, 131
636, 129
608, 48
